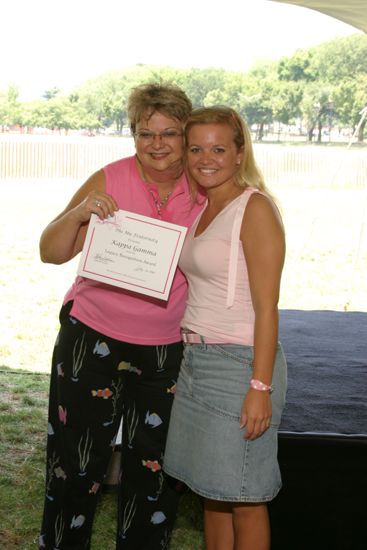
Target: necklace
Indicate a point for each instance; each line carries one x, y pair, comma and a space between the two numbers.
160, 204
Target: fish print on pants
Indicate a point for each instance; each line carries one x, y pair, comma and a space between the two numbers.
59, 472
105, 394
94, 489
153, 420
62, 414
101, 349
172, 389
123, 365
59, 369
158, 517
152, 465
77, 522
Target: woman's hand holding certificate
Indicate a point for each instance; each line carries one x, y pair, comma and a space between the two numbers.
133, 252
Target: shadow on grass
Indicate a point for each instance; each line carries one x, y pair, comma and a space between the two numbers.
23, 422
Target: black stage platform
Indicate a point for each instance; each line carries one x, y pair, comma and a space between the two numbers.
323, 435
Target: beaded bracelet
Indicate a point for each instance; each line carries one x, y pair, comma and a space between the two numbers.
258, 385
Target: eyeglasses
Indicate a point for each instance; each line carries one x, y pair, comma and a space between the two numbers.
149, 137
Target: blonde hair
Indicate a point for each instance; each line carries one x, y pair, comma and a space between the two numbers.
166, 98
248, 174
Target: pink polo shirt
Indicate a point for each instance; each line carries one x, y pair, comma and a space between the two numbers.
121, 314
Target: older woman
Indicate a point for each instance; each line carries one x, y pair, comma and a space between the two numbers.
118, 351
222, 439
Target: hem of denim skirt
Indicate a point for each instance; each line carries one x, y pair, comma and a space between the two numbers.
205, 494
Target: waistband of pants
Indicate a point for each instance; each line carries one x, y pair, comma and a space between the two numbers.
189, 337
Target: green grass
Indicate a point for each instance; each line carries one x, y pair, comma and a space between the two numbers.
22, 437
23, 419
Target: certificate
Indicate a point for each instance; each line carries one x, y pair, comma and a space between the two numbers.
132, 251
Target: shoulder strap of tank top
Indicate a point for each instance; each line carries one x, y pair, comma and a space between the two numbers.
235, 237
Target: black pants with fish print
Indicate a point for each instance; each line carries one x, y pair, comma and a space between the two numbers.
96, 380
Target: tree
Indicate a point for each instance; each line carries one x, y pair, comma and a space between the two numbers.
360, 106
50, 94
11, 108
106, 96
322, 84
296, 67
350, 97
198, 83
256, 103
230, 93
339, 59
286, 101
315, 108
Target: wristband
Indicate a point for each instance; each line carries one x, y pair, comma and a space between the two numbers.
258, 385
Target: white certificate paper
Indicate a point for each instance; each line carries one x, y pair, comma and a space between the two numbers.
132, 251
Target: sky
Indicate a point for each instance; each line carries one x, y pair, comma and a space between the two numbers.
62, 44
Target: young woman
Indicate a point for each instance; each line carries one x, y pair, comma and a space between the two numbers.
222, 439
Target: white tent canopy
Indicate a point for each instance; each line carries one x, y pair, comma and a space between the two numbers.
352, 12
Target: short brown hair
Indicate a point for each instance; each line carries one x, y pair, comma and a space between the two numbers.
165, 98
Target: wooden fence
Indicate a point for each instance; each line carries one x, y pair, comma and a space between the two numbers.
51, 157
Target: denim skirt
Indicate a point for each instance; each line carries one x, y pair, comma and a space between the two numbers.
205, 446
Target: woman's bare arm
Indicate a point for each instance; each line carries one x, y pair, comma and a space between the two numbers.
263, 241
63, 238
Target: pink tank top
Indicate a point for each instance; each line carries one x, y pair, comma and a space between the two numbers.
121, 314
219, 302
